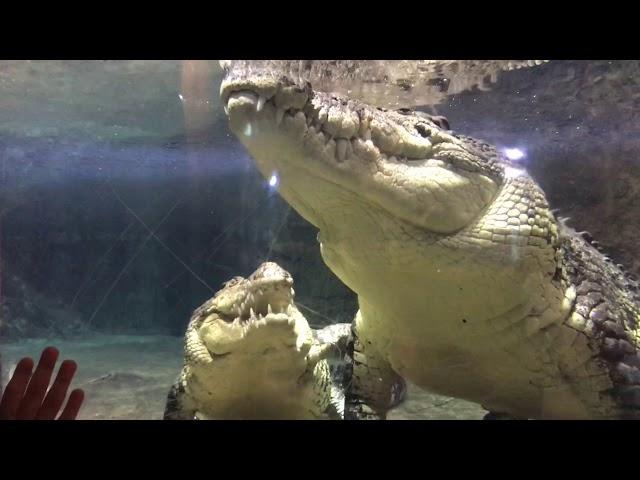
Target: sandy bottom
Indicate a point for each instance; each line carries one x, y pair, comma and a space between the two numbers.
128, 377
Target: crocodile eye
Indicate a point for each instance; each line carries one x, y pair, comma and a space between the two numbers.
441, 121
404, 111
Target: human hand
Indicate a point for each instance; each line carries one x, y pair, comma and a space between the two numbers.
26, 398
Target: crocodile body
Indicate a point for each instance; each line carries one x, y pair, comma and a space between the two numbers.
250, 354
467, 283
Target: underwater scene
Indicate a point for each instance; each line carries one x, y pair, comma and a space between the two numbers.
346, 239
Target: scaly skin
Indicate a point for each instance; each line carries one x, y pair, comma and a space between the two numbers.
467, 284
250, 354
388, 83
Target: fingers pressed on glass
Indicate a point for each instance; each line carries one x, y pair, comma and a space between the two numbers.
38, 385
73, 405
55, 398
14, 391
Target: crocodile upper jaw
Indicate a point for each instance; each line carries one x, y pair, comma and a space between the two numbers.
328, 150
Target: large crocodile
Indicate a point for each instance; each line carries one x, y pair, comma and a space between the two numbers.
250, 354
467, 283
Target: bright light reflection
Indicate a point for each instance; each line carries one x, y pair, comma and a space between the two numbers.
513, 153
273, 180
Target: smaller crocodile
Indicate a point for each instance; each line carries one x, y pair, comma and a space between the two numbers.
250, 354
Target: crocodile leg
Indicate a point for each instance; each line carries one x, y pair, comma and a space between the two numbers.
370, 384
174, 408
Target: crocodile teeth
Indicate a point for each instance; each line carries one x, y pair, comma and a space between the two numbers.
226, 110
341, 149
323, 114
331, 145
269, 310
251, 312
261, 101
367, 134
279, 116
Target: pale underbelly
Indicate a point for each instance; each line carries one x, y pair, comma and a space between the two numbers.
290, 402
480, 369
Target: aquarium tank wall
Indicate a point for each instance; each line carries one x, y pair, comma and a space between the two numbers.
128, 198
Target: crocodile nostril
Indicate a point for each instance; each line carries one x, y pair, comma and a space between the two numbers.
423, 131
441, 121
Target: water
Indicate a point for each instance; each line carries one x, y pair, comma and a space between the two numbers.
126, 200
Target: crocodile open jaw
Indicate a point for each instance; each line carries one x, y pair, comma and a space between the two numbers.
439, 183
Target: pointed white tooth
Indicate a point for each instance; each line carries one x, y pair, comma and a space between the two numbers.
226, 110
251, 312
261, 101
323, 114
331, 145
393, 158
341, 149
367, 134
365, 124
279, 115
